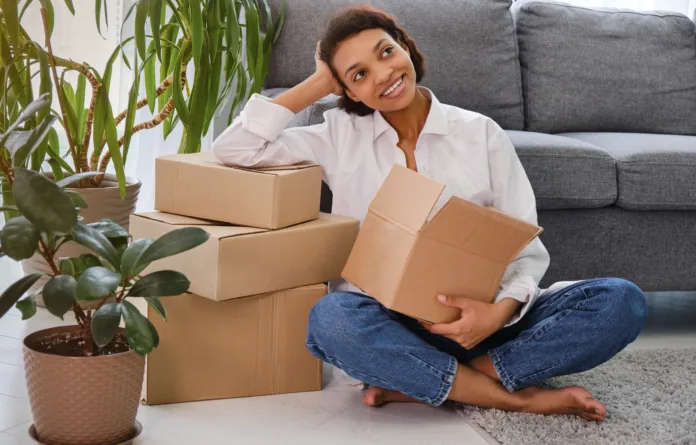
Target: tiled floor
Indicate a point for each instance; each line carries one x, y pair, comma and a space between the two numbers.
335, 414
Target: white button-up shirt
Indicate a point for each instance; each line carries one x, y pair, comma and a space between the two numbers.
464, 150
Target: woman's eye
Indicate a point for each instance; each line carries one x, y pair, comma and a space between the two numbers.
387, 51
358, 75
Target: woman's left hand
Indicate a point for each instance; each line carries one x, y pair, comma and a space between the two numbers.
477, 322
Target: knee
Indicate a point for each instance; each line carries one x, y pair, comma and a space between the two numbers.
628, 306
334, 319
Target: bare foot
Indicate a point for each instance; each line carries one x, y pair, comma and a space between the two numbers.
571, 400
375, 397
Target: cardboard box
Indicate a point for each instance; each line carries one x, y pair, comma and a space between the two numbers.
241, 261
247, 347
405, 260
199, 185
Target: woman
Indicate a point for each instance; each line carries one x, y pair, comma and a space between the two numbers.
496, 354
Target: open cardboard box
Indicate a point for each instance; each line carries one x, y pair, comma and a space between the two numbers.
237, 348
200, 186
404, 259
240, 261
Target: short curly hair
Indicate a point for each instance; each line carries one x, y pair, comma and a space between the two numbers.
353, 21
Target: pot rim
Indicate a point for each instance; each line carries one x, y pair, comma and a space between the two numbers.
131, 181
45, 332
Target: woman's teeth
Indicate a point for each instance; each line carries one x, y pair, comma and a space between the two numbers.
393, 87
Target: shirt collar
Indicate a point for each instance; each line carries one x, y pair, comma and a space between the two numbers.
435, 123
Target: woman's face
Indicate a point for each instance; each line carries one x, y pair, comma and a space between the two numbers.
376, 70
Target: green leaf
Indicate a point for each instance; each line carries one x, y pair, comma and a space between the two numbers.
19, 238
131, 110
164, 283
38, 105
46, 86
155, 23
174, 242
67, 267
214, 86
77, 199
71, 124
109, 229
114, 149
90, 260
79, 106
141, 12
77, 177
34, 139
94, 239
15, 291
8, 208
27, 306
96, 283
199, 99
141, 334
70, 6
24, 9
105, 323
43, 202
150, 80
97, 15
177, 91
157, 306
196, 32
10, 13
131, 263
98, 119
59, 294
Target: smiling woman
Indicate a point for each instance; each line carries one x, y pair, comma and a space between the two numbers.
497, 353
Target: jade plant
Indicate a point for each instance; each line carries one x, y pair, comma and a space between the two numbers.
110, 276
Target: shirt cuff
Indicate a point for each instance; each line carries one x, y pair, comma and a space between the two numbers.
523, 290
264, 118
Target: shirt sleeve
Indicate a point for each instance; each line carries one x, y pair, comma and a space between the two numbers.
513, 194
258, 137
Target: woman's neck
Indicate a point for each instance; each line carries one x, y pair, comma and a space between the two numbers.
409, 121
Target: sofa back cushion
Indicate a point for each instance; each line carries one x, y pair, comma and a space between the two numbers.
606, 69
469, 47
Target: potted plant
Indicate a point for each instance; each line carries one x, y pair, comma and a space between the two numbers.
68, 368
169, 36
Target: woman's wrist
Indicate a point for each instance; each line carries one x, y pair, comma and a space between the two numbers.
504, 310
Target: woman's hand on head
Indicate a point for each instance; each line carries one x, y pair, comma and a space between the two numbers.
324, 72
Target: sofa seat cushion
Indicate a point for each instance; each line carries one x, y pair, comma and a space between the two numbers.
566, 173
655, 171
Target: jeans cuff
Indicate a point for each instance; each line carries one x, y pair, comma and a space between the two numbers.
505, 378
447, 383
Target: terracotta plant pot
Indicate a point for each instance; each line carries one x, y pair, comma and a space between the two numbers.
103, 202
82, 400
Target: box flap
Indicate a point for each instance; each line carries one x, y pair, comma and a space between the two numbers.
484, 231
216, 229
209, 159
406, 198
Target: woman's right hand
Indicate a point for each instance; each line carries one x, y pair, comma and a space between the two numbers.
324, 72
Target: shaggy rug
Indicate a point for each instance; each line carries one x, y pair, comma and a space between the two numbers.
650, 397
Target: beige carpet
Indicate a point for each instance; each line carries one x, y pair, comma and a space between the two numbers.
650, 396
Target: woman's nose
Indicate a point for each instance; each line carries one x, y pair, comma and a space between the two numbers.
383, 75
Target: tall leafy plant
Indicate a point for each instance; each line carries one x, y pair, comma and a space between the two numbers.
110, 275
190, 56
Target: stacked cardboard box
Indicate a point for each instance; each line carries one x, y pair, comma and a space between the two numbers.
241, 331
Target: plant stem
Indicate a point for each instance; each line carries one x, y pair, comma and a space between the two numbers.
7, 170
87, 333
71, 144
94, 161
168, 108
47, 255
90, 113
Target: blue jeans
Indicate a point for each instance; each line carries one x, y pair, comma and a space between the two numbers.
568, 331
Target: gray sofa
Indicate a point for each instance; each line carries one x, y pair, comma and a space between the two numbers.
600, 105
